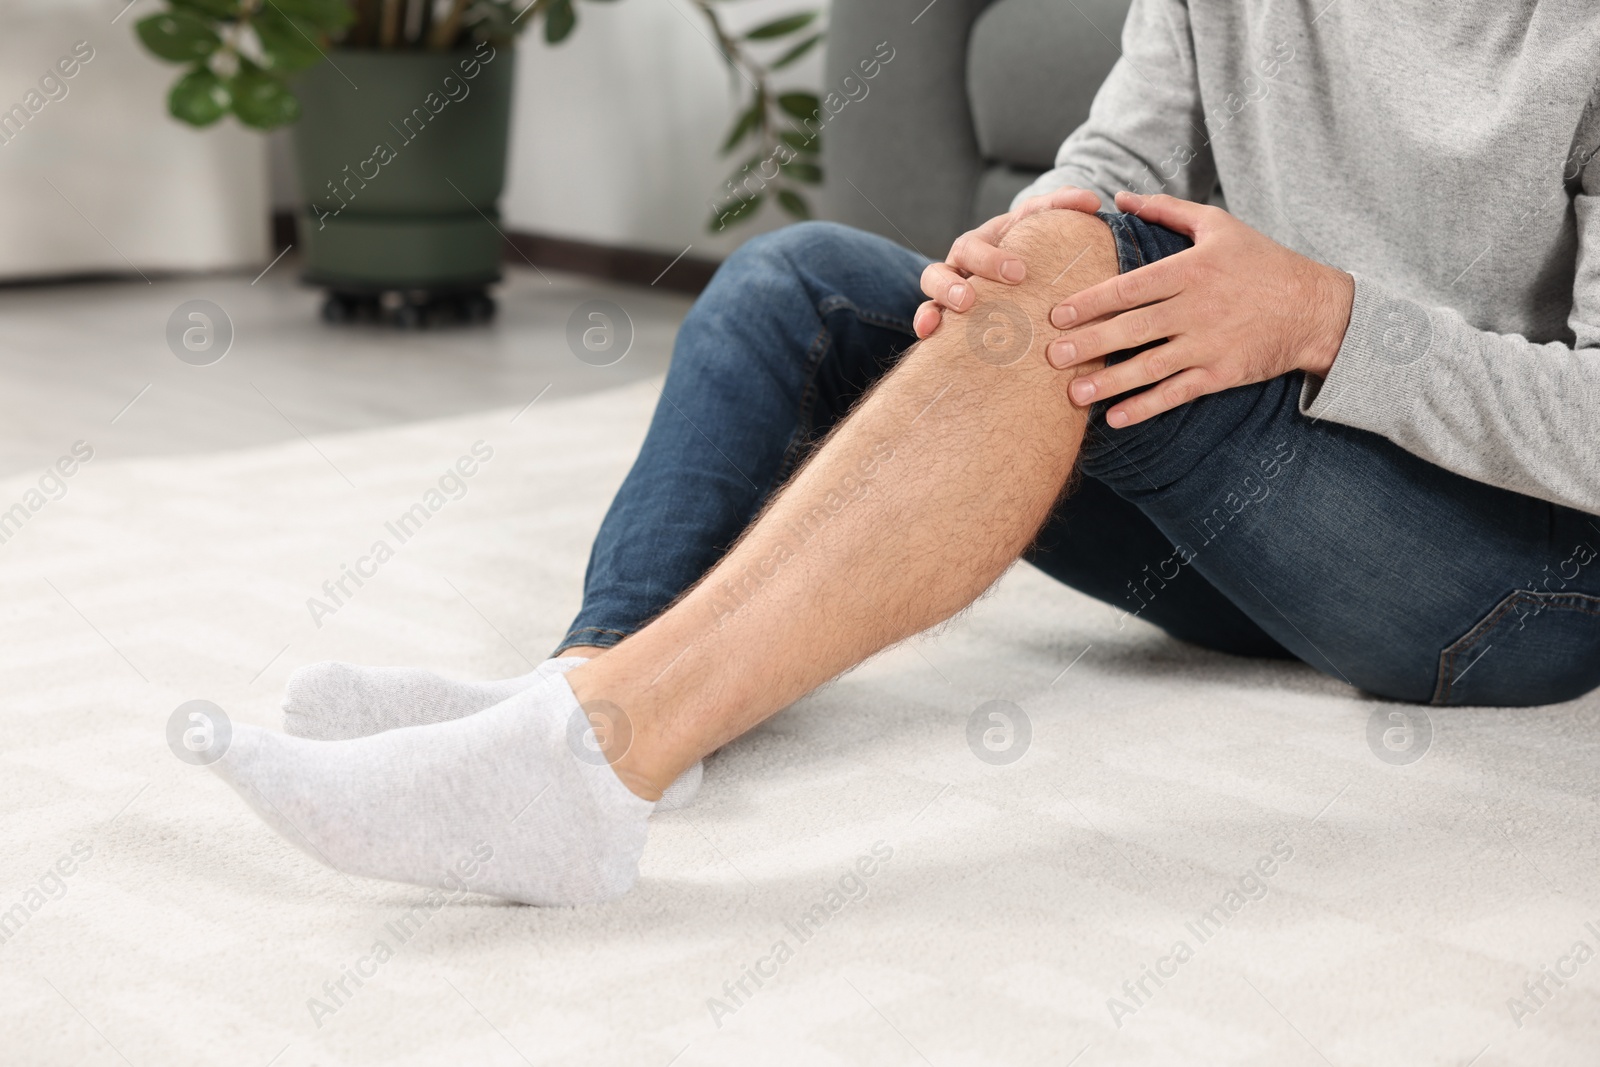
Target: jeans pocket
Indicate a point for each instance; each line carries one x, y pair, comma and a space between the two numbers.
1531, 648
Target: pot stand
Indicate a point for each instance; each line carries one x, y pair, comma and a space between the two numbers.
402, 179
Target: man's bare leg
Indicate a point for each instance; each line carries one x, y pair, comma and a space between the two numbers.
963, 450
916, 503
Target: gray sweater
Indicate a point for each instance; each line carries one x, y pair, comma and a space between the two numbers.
1441, 153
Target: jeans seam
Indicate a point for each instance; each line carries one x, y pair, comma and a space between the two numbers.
829, 304
888, 322
815, 352
1445, 685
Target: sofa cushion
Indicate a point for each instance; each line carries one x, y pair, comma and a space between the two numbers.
1033, 67
997, 187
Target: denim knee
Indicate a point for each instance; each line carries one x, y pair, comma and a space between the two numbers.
793, 277
760, 294
808, 252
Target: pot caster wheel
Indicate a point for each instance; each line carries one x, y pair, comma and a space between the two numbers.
409, 316
341, 308
478, 308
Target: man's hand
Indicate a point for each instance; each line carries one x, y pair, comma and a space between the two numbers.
1236, 308
977, 252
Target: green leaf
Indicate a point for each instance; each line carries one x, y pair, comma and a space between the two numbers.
796, 52
287, 43
794, 203
740, 209
800, 105
326, 15
180, 36
801, 142
745, 123
222, 9
801, 171
779, 27
199, 98
261, 99
559, 21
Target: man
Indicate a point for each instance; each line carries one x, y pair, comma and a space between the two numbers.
1352, 422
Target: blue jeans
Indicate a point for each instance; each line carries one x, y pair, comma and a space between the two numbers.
1233, 522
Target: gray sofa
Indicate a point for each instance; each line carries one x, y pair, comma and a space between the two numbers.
978, 96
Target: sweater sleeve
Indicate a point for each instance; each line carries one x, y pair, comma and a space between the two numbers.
1496, 408
1146, 129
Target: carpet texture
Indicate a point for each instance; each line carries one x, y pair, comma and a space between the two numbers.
1195, 860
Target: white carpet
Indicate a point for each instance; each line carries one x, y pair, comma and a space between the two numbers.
1016, 902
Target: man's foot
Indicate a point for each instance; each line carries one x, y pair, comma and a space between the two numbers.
334, 701
513, 801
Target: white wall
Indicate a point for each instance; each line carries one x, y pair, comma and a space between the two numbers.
614, 141
616, 129
150, 190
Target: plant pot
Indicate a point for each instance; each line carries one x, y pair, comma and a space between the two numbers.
401, 158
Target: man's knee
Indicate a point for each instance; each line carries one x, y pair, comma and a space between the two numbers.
1064, 252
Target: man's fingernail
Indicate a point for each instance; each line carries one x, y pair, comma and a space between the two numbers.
1117, 418
1064, 315
1062, 352
958, 295
1013, 271
1083, 390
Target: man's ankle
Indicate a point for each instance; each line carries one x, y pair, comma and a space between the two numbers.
640, 756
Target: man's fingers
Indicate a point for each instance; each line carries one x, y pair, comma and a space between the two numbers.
998, 227
1146, 368
1184, 216
1066, 198
1142, 325
1158, 281
942, 283
1171, 393
974, 254
978, 253
926, 320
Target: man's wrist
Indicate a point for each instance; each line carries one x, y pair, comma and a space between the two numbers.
1330, 317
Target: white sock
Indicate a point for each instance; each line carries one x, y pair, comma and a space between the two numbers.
332, 701
501, 801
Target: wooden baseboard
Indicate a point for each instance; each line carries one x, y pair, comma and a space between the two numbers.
684, 274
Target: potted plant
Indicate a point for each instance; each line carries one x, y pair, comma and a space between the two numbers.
401, 112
